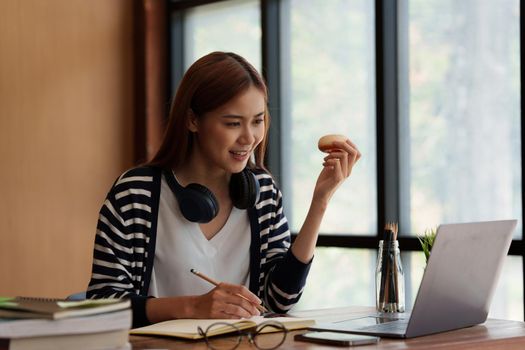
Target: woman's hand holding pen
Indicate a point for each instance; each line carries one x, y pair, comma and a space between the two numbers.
226, 301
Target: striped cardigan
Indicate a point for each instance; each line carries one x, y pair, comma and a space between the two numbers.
125, 245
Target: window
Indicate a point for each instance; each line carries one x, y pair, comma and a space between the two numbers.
461, 123
332, 90
461, 127
332, 83
351, 280
223, 26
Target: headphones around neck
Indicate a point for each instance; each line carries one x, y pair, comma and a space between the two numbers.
198, 204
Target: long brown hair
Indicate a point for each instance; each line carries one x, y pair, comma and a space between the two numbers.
209, 83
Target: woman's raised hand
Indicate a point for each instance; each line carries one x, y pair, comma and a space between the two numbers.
337, 167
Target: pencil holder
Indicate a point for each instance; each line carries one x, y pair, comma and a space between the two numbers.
390, 279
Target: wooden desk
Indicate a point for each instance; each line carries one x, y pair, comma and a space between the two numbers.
493, 334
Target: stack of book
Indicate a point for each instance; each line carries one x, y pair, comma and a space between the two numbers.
33, 323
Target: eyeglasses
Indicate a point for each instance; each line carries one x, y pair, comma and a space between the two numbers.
233, 335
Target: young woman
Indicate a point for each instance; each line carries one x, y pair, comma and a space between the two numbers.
206, 202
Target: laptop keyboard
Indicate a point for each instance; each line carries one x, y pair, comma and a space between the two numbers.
388, 327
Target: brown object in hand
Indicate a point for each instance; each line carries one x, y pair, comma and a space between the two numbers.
325, 143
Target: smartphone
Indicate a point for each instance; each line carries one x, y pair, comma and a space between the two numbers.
335, 338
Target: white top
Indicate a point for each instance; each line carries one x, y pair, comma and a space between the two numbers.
182, 246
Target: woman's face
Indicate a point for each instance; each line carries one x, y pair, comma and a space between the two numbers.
228, 135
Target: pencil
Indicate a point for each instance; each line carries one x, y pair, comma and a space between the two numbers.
216, 283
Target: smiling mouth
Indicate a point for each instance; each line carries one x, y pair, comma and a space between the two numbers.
240, 153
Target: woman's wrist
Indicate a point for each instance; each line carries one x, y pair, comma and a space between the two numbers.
163, 309
188, 307
318, 205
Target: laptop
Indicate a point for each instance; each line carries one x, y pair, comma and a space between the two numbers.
457, 285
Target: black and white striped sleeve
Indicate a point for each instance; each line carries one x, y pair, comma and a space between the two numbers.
285, 275
120, 243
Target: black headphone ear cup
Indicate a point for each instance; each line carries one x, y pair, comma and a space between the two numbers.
244, 189
198, 204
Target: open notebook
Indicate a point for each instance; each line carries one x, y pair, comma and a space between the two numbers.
187, 328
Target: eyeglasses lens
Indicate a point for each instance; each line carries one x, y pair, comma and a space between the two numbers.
269, 341
229, 341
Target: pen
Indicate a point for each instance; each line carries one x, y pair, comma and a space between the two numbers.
216, 283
